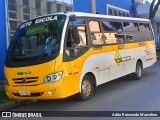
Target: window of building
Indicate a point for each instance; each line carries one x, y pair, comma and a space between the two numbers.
12, 5
12, 1
120, 14
146, 33
127, 15
12, 9
68, 8
123, 14
112, 32
49, 7
131, 31
26, 6
13, 15
26, 17
38, 7
59, 7
116, 11
26, 10
13, 25
110, 11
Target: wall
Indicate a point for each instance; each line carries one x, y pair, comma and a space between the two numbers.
84, 5
101, 6
3, 45
81, 5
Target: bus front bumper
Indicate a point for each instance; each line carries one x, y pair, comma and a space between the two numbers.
38, 92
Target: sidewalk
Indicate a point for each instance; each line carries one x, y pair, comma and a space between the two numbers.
3, 96
5, 103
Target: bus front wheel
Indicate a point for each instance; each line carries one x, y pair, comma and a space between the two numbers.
87, 88
137, 75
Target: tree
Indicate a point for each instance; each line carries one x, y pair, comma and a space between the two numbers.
153, 9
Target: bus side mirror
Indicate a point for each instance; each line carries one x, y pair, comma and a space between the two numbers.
75, 35
72, 18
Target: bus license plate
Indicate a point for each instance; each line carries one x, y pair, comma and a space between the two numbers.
24, 93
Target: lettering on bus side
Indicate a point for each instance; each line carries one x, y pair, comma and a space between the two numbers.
121, 47
39, 20
45, 19
26, 24
97, 47
119, 59
123, 59
142, 44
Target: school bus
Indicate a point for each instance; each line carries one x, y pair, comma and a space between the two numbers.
63, 54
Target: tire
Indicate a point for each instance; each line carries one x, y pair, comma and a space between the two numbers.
87, 89
137, 75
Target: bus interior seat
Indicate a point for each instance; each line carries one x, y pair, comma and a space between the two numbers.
93, 37
110, 38
98, 41
103, 37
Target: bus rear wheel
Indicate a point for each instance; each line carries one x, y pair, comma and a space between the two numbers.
87, 88
137, 75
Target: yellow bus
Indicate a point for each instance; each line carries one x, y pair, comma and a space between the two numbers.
63, 54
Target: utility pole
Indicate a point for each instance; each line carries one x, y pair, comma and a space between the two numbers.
93, 6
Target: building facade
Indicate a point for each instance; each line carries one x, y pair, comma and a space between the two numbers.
122, 8
14, 12
22, 10
110, 7
3, 36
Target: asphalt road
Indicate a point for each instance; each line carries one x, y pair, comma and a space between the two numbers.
123, 94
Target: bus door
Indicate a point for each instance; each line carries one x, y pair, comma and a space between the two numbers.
75, 47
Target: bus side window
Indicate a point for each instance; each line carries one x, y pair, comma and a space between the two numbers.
113, 32
146, 32
131, 31
69, 41
96, 34
82, 35
75, 49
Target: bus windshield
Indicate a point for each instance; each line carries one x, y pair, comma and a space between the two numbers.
37, 39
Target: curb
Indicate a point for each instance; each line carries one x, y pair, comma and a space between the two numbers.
6, 106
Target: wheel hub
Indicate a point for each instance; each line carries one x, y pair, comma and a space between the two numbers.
86, 87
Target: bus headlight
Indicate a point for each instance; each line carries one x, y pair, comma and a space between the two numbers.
53, 77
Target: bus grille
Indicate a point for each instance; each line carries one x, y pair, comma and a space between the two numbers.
32, 94
25, 80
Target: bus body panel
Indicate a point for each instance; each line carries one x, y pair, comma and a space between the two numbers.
106, 62
40, 91
62, 88
37, 71
104, 67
